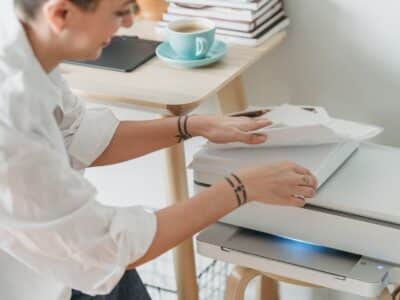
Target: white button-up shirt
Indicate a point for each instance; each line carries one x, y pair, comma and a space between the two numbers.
54, 235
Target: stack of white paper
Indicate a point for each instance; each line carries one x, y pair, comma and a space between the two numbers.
248, 22
296, 126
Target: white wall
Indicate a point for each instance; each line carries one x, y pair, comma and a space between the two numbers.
341, 54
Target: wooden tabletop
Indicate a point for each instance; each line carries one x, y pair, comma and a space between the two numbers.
159, 87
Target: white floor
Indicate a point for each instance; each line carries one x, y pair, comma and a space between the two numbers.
142, 182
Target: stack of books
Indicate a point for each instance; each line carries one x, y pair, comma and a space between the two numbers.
247, 22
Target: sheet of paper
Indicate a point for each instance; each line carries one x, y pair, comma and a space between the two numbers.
296, 126
289, 136
354, 131
296, 116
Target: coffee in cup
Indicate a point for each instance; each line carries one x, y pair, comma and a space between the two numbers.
191, 38
190, 28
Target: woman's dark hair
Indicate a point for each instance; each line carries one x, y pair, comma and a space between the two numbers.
29, 8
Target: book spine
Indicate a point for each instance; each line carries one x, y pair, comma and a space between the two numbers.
238, 15
255, 32
213, 12
258, 40
243, 26
239, 5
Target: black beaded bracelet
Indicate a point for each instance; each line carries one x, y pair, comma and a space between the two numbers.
182, 133
241, 187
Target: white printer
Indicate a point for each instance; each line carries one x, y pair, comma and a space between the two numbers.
355, 216
356, 212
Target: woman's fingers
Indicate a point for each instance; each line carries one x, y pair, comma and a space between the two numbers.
248, 124
305, 191
300, 170
296, 202
307, 180
250, 138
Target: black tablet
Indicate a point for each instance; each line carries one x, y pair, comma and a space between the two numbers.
123, 54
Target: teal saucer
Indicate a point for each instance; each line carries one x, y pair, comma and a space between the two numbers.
217, 51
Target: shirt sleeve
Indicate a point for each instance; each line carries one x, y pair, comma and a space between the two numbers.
51, 222
87, 132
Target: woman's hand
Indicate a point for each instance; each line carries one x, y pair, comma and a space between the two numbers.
282, 183
224, 129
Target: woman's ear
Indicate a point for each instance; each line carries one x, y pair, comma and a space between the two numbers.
56, 12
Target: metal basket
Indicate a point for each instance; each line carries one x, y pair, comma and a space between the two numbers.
159, 278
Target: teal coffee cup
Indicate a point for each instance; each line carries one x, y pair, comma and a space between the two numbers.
191, 38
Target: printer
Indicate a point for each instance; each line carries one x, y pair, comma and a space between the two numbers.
348, 232
354, 217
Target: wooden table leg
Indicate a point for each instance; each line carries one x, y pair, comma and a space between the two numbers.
237, 282
267, 289
232, 97
184, 263
268, 286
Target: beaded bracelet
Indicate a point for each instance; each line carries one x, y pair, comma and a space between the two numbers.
183, 133
234, 189
239, 189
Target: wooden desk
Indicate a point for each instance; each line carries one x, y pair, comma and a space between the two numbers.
168, 91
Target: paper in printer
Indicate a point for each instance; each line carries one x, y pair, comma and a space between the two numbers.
305, 125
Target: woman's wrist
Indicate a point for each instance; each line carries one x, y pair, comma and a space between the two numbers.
197, 125
191, 126
226, 195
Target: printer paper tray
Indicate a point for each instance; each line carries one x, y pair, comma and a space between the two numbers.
312, 257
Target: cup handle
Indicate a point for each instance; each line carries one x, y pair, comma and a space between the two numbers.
201, 46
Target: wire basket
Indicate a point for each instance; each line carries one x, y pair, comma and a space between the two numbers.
159, 278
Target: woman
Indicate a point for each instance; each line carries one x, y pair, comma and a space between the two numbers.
50, 221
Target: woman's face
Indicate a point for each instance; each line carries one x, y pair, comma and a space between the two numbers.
86, 33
